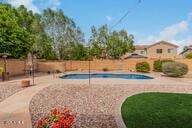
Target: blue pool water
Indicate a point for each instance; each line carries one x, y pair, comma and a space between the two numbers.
123, 76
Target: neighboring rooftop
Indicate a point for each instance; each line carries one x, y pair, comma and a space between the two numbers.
142, 47
132, 56
164, 42
135, 56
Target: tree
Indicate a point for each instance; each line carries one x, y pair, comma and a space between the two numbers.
63, 32
185, 48
97, 41
22, 32
79, 52
26, 18
41, 42
118, 44
111, 45
53, 35
13, 38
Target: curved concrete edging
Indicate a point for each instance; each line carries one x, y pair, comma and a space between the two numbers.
14, 111
118, 116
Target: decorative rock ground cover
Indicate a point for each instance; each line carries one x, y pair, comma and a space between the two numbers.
96, 106
8, 88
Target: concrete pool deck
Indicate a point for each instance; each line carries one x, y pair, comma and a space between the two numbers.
16, 107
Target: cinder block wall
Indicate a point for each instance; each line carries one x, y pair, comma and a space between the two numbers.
99, 65
51, 66
15, 66
94, 65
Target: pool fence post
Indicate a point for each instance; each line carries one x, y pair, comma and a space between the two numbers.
89, 73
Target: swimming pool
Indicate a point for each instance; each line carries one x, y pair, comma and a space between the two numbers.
122, 76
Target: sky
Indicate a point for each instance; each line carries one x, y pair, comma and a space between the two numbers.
148, 20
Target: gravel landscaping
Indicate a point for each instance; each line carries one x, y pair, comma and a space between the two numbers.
9, 88
95, 107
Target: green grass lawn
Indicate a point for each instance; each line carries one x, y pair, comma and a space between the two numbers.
158, 110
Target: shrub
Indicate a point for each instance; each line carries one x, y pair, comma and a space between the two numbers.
57, 119
157, 66
143, 67
58, 71
105, 69
48, 72
1, 70
175, 69
188, 55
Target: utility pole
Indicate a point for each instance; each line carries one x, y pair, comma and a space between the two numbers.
89, 72
33, 69
89, 67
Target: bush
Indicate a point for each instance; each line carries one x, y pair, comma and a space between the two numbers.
175, 69
105, 69
157, 66
58, 71
188, 55
63, 118
1, 70
143, 67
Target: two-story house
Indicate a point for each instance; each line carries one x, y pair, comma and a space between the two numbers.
160, 50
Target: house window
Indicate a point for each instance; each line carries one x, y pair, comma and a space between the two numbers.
170, 50
159, 51
142, 52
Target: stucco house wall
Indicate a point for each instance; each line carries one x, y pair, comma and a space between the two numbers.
152, 51
141, 52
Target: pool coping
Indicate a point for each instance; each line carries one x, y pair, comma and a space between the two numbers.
147, 76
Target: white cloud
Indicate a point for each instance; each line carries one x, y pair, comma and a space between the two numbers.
182, 43
109, 18
133, 33
172, 31
27, 3
168, 33
53, 4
